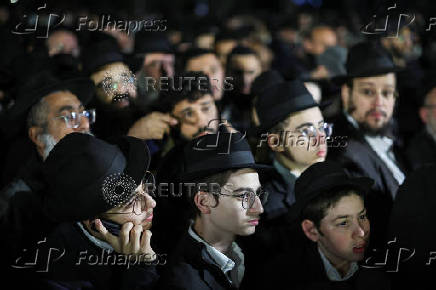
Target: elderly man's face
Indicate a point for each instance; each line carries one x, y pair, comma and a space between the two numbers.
116, 85
210, 65
196, 118
59, 104
371, 101
245, 68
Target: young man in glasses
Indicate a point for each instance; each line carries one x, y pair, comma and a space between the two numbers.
293, 130
225, 195
100, 211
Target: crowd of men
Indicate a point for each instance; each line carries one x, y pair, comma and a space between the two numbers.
232, 156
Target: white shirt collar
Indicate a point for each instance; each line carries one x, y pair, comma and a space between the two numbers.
225, 263
331, 271
99, 243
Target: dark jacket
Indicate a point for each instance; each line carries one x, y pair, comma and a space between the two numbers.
359, 159
421, 150
69, 260
300, 267
29, 178
191, 267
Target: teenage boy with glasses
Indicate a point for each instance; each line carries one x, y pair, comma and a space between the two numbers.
208, 257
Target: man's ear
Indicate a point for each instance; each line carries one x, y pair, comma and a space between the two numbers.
345, 95
202, 201
310, 230
423, 114
34, 132
274, 143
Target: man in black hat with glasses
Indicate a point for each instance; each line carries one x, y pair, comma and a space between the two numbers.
98, 206
330, 234
222, 184
368, 96
53, 109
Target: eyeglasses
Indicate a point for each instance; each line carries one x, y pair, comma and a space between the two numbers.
311, 131
138, 201
248, 197
73, 119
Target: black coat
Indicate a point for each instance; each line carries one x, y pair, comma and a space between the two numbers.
421, 150
191, 267
300, 267
76, 263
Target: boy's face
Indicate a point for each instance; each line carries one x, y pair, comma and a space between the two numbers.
302, 149
139, 211
230, 216
344, 231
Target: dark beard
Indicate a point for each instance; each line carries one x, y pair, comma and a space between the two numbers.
385, 131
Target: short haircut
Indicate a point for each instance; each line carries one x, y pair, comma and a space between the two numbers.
186, 87
220, 178
38, 115
317, 209
241, 50
193, 53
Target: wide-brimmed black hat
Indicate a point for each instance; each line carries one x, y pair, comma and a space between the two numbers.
149, 42
275, 104
367, 59
215, 153
266, 80
324, 177
103, 50
87, 176
43, 84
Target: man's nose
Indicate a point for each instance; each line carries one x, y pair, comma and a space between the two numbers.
257, 206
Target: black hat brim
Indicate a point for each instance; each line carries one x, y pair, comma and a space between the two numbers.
81, 87
340, 80
196, 175
362, 184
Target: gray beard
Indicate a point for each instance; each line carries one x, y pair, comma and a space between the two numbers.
49, 143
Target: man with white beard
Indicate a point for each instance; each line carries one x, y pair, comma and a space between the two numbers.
54, 109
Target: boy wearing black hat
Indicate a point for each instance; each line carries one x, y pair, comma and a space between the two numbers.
331, 233
225, 197
99, 209
293, 130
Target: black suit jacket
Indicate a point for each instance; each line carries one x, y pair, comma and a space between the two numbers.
191, 267
359, 159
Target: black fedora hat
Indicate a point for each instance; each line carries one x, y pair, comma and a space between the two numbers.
367, 59
43, 84
215, 153
102, 50
149, 42
87, 176
323, 177
266, 80
275, 104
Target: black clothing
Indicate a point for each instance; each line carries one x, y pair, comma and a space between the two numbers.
191, 267
421, 150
